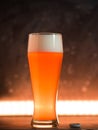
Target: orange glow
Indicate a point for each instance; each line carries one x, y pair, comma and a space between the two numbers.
45, 71
68, 107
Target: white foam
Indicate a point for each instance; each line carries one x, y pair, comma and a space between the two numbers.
46, 42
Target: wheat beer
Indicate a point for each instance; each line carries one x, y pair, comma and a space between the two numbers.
45, 53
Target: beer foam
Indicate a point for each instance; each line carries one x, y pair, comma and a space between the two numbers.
45, 42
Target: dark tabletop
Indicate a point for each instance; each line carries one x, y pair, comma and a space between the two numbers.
65, 122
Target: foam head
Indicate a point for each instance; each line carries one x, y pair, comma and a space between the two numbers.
45, 42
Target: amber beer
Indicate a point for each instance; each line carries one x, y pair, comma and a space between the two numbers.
45, 58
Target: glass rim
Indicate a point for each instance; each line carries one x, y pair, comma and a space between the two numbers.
45, 33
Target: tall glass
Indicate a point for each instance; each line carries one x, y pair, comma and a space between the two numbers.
45, 53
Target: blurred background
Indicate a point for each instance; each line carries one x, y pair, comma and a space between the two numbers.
77, 20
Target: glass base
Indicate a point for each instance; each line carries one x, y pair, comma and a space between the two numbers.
44, 124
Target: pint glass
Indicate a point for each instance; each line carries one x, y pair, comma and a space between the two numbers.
45, 53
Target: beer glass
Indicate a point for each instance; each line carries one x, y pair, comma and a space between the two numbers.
45, 53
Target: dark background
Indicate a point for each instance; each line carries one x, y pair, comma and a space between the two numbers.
77, 20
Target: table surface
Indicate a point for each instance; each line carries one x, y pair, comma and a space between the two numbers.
23, 122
